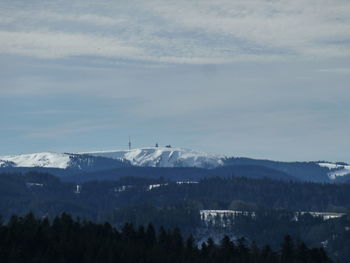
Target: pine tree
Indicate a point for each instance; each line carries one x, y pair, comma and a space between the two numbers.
287, 253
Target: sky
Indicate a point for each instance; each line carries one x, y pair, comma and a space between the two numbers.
258, 78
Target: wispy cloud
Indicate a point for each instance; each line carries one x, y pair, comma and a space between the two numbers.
40, 16
190, 32
265, 77
60, 44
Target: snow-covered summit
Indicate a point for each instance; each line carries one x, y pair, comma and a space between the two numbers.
163, 157
336, 169
151, 157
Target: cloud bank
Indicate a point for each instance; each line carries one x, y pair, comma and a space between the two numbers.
191, 32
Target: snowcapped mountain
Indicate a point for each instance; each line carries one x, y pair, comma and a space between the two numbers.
163, 157
336, 169
59, 161
44, 159
148, 157
85, 162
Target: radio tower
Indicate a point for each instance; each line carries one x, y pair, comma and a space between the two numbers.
129, 143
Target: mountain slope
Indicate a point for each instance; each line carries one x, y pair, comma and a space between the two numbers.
305, 171
163, 157
336, 170
60, 161
44, 159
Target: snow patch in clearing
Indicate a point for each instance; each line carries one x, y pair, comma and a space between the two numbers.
336, 169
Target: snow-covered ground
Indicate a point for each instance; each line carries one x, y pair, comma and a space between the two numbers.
163, 157
207, 215
45, 159
187, 182
336, 170
223, 217
154, 186
323, 215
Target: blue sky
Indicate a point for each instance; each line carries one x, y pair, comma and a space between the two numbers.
264, 79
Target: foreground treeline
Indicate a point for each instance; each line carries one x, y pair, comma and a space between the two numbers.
27, 239
268, 226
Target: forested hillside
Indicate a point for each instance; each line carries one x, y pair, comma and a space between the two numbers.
66, 240
306, 171
177, 204
47, 195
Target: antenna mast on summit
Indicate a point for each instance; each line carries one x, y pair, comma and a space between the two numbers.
129, 143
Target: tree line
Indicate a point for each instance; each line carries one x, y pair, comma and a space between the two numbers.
64, 239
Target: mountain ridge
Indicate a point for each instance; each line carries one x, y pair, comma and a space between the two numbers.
163, 157
168, 157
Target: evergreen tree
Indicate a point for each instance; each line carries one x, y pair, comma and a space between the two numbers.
287, 253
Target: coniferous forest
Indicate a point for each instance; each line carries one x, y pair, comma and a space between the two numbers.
168, 205
27, 239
